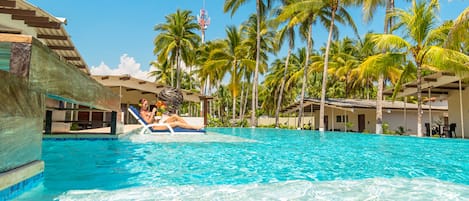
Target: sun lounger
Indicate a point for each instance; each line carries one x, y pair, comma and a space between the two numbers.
149, 127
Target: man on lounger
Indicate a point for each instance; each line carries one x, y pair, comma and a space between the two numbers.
172, 120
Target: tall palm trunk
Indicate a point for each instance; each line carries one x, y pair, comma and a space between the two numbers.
379, 93
282, 86
305, 76
233, 117
172, 72
326, 65
419, 100
379, 104
241, 98
178, 79
256, 71
221, 107
245, 105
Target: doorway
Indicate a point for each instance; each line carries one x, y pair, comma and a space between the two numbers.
326, 123
361, 123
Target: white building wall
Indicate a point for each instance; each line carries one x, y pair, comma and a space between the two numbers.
454, 111
286, 121
393, 117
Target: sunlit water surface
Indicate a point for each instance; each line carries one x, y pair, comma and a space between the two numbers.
270, 164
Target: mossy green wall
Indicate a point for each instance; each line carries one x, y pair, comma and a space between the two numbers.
61, 80
21, 122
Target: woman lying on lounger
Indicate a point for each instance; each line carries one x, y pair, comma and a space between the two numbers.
173, 120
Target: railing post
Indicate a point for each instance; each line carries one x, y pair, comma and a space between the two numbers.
48, 127
113, 122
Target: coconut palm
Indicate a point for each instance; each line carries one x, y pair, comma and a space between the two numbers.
267, 44
276, 77
206, 73
369, 7
230, 57
343, 54
419, 25
162, 73
457, 36
176, 38
261, 7
287, 32
337, 9
304, 12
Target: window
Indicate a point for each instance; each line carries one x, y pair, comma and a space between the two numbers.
338, 119
341, 118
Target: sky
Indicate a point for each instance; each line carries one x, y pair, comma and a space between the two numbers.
116, 36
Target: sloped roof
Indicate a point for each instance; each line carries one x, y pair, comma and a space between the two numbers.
50, 29
132, 89
439, 83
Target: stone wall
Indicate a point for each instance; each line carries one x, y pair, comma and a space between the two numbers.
21, 122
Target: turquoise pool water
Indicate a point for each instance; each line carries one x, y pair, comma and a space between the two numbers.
278, 165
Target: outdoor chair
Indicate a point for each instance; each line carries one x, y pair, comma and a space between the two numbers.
452, 130
149, 127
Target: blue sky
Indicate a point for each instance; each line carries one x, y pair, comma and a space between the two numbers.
116, 36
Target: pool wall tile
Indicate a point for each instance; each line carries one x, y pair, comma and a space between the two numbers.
14, 182
91, 137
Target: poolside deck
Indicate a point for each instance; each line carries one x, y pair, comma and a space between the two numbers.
130, 131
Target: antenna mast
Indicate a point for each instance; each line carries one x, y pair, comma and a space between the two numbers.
204, 21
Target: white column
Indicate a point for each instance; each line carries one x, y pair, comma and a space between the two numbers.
345, 120
405, 114
333, 119
430, 108
461, 110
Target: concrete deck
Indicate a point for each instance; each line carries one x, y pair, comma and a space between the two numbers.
131, 133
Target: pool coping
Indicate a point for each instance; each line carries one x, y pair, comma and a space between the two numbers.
18, 180
75, 136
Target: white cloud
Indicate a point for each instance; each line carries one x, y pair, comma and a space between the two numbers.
127, 65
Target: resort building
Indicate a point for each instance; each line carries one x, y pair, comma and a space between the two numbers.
450, 87
131, 90
360, 115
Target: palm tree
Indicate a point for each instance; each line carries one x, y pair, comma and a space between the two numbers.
457, 36
369, 7
305, 13
233, 5
336, 8
287, 32
266, 44
230, 57
162, 73
176, 39
419, 25
343, 55
206, 73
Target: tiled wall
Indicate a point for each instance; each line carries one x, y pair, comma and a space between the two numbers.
17, 189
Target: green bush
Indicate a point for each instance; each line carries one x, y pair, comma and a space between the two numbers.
400, 130
74, 127
386, 129
216, 122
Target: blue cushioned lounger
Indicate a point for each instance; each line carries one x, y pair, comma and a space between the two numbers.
149, 127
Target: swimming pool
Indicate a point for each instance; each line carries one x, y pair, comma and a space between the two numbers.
276, 165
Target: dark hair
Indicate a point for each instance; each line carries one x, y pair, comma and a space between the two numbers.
172, 97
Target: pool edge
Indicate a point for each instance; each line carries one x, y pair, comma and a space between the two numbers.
16, 181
